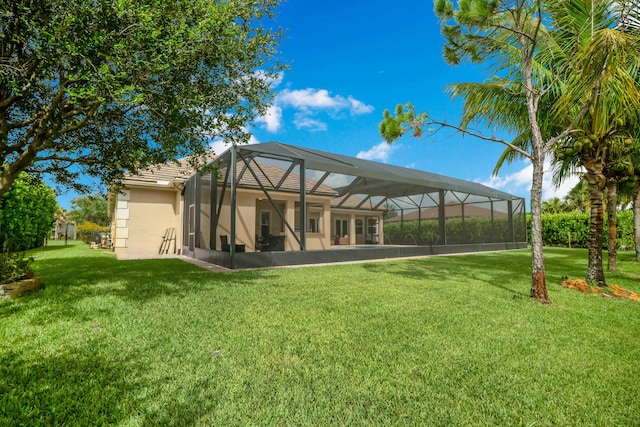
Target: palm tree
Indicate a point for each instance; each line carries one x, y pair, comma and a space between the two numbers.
578, 197
602, 138
554, 59
587, 72
553, 205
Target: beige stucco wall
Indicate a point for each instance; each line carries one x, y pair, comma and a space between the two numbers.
143, 214
351, 216
141, 218
251, 203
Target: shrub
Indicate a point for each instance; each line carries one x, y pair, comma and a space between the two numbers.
90, 232
27, 213
14, 267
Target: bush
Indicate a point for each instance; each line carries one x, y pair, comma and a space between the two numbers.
27, 213
90, 232
14, 267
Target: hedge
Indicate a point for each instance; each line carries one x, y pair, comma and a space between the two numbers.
556, 229
90, 232
471, 230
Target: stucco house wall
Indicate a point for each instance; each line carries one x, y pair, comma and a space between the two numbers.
251, 203
141, 218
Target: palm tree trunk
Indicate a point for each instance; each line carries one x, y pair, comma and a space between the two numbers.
538, 275
612, 202
595, 273
636, 219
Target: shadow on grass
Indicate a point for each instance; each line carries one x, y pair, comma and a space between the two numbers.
505, 270
69, 280
62, 389
83, 387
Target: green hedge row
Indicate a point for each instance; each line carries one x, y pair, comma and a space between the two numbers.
558, 228
471, 230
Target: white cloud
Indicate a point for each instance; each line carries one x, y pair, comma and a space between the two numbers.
307, 98
272, 119
218, 146
359, 107
307, 103
319, 99
303, 121
380, 152
520, 181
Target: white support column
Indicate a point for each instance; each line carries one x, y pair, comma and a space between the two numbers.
352, 229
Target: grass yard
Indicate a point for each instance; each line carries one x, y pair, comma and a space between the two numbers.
437, 341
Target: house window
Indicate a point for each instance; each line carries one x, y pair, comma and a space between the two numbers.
314, 215
359, 227
372, 230
314, 225
372, 226
314, 212
265, 223
342, 227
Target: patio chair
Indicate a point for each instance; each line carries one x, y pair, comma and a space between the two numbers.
225, 247
224, 244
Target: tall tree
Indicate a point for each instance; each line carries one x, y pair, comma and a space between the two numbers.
103, 86
89, 208
555, 60
553, 205
602, 141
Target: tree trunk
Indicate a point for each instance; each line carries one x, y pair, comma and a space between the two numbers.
538, 275
595, 272
636, 219
612, 204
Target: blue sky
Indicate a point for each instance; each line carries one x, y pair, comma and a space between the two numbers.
349, 61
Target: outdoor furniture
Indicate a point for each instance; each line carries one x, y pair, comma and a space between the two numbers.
226, 247
271, 243
341, 240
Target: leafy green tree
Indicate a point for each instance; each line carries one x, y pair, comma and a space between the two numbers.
636, 220
27, 213
100, 87
89, 208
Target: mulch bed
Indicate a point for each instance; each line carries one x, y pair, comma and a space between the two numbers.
605, 291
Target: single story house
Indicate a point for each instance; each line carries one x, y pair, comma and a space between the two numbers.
276, 204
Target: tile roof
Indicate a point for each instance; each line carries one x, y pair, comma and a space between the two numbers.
163, 173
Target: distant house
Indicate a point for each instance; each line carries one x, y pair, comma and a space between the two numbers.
63, 228
277, 204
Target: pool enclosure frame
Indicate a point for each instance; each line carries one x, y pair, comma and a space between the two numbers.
425, 213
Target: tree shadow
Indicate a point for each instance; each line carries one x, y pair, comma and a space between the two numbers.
63, 389
68, 281
477, 268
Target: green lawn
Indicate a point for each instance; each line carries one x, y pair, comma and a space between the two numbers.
437, 341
